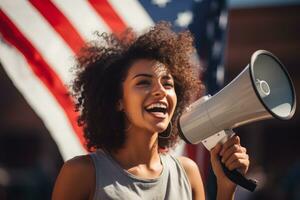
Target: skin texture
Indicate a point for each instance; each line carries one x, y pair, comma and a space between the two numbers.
148, 82
102, 66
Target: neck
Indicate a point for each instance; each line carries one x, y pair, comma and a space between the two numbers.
141, 148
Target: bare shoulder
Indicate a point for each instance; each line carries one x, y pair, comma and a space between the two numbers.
194, 176
191, 168
79, 163
76, 179
188, 164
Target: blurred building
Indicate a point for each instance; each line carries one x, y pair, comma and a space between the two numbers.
273, 144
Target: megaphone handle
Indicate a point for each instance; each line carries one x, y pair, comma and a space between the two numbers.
239, 179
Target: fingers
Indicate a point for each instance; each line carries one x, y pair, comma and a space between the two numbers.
238, 161
231, 141
231, 150
234, 156
215, 152
215, 161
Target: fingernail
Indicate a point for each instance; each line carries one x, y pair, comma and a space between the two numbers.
221, 152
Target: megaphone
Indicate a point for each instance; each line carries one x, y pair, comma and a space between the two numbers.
263, 90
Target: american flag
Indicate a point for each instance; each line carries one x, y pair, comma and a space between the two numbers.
39, 39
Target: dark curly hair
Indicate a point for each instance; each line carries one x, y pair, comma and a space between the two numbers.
102, 66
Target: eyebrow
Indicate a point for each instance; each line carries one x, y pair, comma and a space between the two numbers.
166, 77
146, 75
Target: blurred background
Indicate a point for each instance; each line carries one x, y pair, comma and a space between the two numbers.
272, 144
30, 159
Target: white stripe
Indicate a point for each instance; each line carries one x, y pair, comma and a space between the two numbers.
42, 101
83, 17
179, 150
43, 37
132, 13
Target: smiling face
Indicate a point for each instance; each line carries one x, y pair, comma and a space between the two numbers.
149, 97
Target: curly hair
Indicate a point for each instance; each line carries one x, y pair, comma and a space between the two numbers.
102, 66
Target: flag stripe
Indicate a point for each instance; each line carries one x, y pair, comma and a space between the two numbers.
41, 69
60, 23
42, 36
105, 10
55, 30
203, 160
41, 101
191, 151
129, 10
83, 17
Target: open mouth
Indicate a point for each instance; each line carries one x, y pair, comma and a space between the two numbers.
157, 108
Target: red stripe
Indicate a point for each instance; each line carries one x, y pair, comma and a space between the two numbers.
204, 161
191, 151
60, 23
42, 70
205, 165
112, 19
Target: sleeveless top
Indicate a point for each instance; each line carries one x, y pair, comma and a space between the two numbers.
113, 182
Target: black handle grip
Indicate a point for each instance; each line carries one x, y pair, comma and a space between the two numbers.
239, 179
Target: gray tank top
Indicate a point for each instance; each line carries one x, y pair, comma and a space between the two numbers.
113, 182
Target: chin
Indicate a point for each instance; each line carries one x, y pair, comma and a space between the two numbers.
161, 128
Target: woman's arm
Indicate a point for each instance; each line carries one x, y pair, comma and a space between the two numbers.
76, 180
194, 177
234, 156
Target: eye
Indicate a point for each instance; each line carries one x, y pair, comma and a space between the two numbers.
143, 82
169, 85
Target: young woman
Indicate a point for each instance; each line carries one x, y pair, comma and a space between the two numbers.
130, 91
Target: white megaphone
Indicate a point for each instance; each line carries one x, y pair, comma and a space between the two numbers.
261, 91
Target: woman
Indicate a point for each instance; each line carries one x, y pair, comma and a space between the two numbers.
130, 90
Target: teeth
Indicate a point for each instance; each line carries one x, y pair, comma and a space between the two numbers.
156, 105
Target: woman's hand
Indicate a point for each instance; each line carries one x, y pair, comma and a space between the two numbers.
234, 156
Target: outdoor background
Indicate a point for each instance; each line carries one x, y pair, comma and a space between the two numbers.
30, 160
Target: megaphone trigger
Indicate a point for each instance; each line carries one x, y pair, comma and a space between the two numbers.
239, 179
234, 175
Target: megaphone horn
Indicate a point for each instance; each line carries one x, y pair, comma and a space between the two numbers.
261, 91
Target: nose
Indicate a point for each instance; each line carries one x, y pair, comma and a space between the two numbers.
159, 90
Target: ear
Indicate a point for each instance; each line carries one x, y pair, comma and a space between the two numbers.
120, 105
